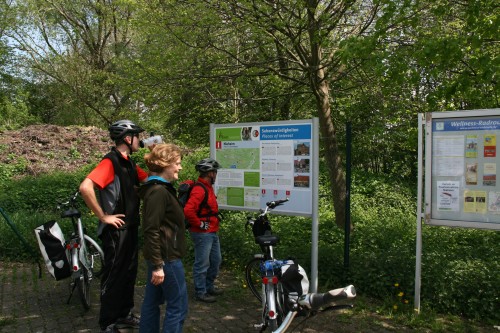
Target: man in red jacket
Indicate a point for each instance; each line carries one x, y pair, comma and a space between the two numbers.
202, 210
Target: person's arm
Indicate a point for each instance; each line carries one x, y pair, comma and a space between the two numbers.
154, 204
193, 205
141, 174
87, 191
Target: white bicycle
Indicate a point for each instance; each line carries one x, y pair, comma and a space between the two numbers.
265, 277
85, 256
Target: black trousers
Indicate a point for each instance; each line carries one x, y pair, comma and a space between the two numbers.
120, 248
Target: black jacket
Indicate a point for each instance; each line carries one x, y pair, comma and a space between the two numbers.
162, 223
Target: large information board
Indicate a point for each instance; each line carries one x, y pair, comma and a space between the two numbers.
265, 161
461, 164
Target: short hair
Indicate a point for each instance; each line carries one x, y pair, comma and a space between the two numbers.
162, 156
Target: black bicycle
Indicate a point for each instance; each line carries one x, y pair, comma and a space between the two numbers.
274, 282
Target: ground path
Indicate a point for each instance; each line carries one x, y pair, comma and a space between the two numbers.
29, 304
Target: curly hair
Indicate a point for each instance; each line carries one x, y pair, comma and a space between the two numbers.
162, 156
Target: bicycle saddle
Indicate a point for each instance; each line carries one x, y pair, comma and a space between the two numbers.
267, 240
70, 213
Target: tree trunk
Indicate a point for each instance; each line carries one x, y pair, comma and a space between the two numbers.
333, 159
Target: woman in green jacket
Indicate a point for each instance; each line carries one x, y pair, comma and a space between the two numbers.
164, 242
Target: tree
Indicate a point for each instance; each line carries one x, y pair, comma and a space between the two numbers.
301, 44
77, 45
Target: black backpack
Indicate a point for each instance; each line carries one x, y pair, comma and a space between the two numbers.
183, 193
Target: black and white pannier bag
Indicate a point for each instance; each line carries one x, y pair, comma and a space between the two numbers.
51, 242
294, 279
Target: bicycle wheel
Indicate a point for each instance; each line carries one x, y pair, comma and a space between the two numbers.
95, 256
83, 285
253, 277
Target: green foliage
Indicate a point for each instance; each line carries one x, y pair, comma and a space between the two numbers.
13, 248
34, 194
16, 166
461, 274
14, 111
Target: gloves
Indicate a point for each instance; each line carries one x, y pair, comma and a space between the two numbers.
204, 225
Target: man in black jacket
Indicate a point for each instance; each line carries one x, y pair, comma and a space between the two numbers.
116, 178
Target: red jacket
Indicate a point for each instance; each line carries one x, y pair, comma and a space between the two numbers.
208, 212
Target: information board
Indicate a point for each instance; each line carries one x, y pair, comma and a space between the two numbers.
265, 161
461, 164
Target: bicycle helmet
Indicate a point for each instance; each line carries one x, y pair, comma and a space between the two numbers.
207, 165
118, 130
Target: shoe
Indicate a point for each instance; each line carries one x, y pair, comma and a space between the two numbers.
130, 321
205, 298
215, 292
110, 329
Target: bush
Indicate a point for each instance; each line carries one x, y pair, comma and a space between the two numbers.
42, 193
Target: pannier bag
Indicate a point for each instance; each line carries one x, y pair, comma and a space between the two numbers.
51, 242
294, 279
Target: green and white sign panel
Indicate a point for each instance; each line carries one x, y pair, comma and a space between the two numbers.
265, 161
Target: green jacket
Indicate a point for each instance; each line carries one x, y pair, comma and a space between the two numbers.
162, 223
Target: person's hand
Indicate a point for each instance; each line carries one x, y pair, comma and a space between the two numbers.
204, 225
114, 220
157, 277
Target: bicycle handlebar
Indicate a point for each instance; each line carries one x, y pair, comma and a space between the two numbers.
315, 301
263, 212
71, 201
276, 203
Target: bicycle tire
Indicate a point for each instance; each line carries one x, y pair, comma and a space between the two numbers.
83, 286
253, 277
95, 256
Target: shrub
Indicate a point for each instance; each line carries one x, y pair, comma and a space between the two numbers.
42, 193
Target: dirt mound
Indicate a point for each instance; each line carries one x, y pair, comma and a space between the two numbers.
48, 148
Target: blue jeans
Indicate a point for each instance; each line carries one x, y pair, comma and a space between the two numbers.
207, 260
173, 291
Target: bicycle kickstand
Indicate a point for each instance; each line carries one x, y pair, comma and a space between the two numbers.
71, 293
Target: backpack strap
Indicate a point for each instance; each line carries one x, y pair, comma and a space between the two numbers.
204, 201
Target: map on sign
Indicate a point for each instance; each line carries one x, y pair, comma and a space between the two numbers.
247, 158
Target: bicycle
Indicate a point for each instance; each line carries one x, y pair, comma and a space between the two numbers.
86, 257
282, 302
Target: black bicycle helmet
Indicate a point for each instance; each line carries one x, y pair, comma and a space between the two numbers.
119, 129
207, 165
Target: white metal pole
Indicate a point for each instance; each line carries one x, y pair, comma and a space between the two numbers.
418, 254
315, 203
